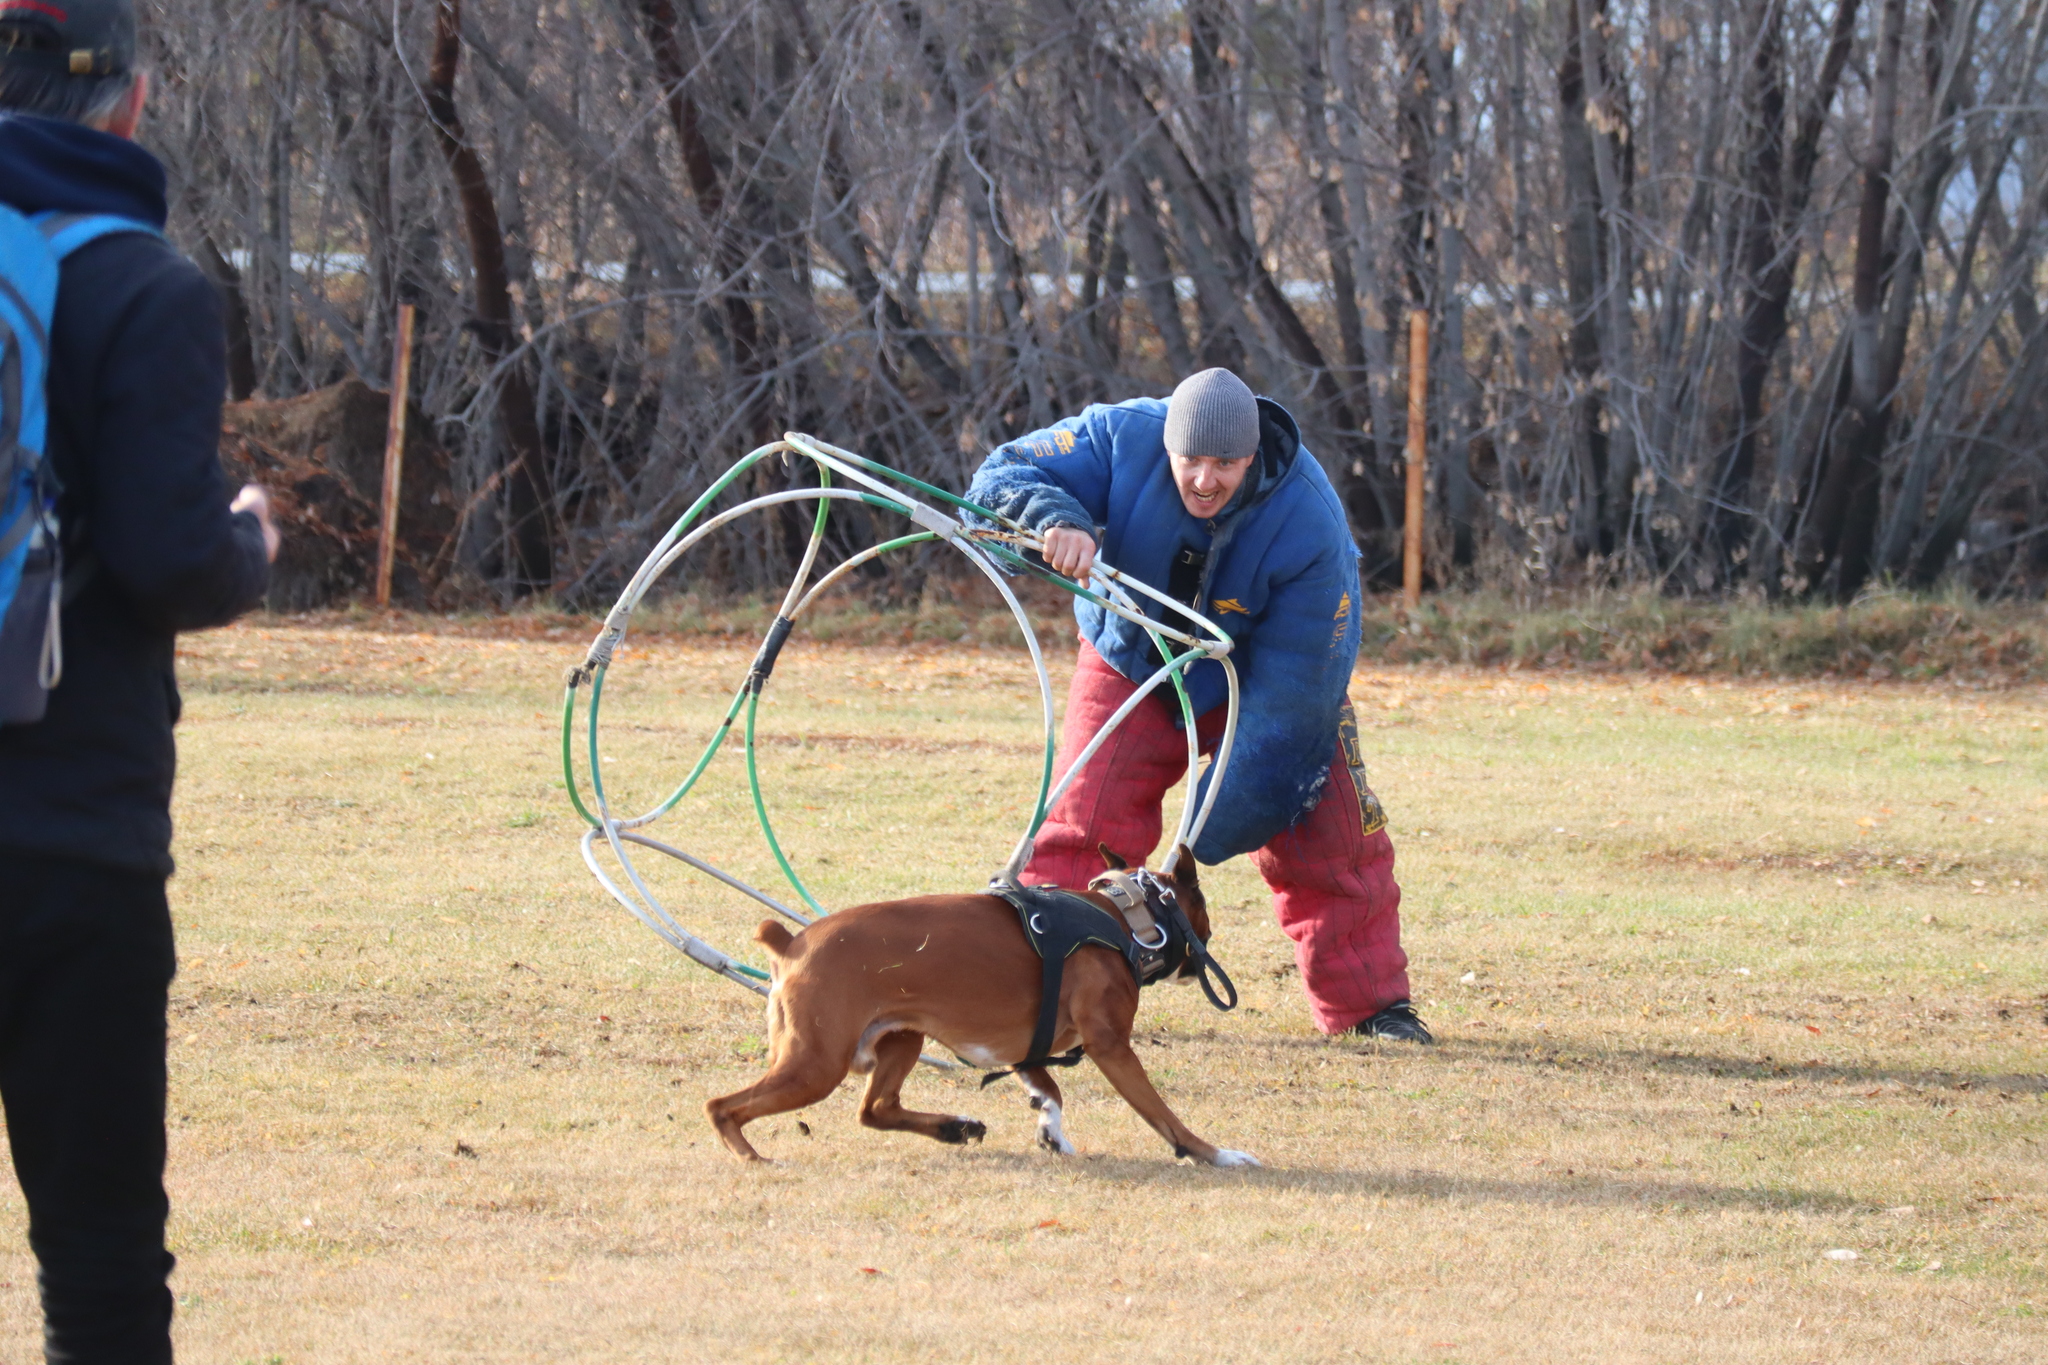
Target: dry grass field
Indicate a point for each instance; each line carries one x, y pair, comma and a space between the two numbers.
1728, 977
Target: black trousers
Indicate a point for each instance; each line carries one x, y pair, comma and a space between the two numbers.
86, 961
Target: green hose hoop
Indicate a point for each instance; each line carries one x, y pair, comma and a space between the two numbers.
870, 483
705, 499
761, 813
568, 756
596, 769
951, 499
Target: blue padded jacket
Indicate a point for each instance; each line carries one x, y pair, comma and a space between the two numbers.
1281, 577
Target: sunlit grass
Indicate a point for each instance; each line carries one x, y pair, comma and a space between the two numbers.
1728, 976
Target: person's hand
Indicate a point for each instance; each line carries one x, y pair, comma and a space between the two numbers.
253, 499
1070, 551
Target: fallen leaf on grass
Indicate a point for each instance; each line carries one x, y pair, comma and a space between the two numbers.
1049, 1223
1813, 1028
869, 1270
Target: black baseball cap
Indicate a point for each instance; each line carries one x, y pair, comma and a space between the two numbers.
69, 37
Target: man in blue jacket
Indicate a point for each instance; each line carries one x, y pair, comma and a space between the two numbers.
1211, 499
152, 547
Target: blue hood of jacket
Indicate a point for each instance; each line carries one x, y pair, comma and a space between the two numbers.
1281, 579
50, 165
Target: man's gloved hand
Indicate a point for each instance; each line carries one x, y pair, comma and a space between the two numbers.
1070, 551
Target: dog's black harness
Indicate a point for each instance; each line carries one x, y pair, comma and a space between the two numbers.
1154, 938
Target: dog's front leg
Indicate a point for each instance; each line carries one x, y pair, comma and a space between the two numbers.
1045, 1098
1106, 1032
1117, 1061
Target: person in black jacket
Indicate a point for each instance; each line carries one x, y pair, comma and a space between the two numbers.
137, 359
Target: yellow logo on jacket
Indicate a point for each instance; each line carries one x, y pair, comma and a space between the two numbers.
1226, 605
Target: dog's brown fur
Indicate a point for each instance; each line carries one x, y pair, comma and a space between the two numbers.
861, 990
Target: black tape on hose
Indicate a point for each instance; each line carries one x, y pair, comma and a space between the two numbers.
764, 662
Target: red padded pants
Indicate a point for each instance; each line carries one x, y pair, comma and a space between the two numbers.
1333, 884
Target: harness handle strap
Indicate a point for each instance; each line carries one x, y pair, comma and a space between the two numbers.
1203, 966
1198, 953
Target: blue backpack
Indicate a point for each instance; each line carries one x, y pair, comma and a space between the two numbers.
31, 559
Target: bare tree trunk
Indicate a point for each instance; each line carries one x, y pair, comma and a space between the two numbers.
1583, 289
1609, 113
1337, 230
706, 168
1156, 280
241, 352
530, 496
1845, 507
1777, 199
1373, 384
1219, 161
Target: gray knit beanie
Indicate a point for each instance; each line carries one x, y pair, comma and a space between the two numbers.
1212, 416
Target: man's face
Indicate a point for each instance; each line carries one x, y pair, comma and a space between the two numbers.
1207, 485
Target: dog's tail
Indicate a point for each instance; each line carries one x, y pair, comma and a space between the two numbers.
773, 936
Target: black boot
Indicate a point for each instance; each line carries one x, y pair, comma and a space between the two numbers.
1398, 1021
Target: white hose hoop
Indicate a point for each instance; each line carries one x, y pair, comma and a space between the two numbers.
997, 553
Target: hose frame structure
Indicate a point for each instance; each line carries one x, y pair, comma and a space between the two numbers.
997, 550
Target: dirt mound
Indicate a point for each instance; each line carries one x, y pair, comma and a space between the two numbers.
321, 456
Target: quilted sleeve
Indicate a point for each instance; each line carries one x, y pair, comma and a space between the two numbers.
1055, 477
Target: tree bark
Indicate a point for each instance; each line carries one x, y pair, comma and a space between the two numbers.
706, 167
530, 497
1583, 285
1778, 194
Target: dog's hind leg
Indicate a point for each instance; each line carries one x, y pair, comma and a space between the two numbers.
882, 1107
1045, 1098
798, 1077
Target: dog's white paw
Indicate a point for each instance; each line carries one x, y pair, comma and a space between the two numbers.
1050, 1135
1226, 1157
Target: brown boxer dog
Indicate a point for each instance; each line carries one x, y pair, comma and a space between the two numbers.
861, 990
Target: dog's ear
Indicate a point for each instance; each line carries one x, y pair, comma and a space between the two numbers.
1109, 859
1181, 867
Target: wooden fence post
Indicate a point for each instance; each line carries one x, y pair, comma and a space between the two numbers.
394, 454
1418, 457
